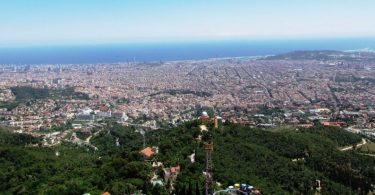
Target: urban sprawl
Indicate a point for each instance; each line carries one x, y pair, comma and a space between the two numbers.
298, 89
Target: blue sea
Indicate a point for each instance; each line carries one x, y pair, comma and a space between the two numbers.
170, 51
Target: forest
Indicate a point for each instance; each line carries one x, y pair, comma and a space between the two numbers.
262, 158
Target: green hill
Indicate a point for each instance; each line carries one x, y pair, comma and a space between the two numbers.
264, 159
241, 155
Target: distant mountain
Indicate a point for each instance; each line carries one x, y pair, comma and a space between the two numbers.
307, 55
324, 55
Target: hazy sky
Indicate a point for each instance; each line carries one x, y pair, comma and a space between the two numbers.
99, 21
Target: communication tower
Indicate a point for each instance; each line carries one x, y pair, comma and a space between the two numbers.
209, 176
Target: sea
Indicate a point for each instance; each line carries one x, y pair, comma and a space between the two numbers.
171, 51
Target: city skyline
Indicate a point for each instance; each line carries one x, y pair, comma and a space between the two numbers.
42, 22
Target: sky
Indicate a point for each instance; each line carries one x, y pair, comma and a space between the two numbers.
38, 22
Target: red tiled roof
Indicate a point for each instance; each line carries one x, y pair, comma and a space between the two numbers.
103, 108
147, 152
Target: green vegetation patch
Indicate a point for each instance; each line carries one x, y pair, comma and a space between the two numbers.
75, 170
25, 93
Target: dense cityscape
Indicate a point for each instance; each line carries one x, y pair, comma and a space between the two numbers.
335, 88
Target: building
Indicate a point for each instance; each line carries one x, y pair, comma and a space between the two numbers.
170, 174
148, 153
334, 124
205, 119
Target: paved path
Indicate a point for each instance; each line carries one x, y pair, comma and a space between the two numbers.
363, 142
373, 155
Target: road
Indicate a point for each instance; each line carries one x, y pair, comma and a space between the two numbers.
363, 142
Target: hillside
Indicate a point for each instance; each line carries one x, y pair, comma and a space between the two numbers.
264, 159
67, 169
25, 95
277, 162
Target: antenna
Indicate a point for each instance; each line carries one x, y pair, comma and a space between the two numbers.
209, 176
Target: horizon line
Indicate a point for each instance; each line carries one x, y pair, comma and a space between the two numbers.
176, 41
